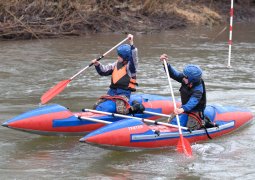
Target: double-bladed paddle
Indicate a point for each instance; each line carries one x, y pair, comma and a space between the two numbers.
55, 90
183, 145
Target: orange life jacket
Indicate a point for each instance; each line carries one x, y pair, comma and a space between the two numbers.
121, 79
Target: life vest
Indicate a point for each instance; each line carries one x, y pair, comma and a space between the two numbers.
121, 79
187, 91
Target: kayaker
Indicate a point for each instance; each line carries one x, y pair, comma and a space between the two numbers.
193, 94
123, 80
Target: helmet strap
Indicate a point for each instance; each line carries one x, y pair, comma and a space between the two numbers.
190, 84
124, 62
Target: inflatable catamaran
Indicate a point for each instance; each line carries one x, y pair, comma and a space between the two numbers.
55, 119
116, 132
131, 133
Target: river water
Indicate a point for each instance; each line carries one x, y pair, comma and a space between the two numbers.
30, 68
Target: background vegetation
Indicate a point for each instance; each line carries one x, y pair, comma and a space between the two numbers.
25, 19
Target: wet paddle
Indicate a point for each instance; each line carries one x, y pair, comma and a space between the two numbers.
183, 145
61, 85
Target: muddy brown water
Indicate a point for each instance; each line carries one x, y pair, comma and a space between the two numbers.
30, 68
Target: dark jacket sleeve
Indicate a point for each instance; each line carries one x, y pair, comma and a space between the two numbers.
174, 74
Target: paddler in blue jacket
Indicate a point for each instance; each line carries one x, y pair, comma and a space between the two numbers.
193, 94
123, 80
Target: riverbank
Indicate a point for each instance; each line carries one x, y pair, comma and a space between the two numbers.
24, 19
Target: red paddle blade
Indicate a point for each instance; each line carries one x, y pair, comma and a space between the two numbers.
54, 91
183, 146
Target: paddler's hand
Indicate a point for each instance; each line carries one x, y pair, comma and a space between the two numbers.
95, 62
178, 111
131, 39
163, 57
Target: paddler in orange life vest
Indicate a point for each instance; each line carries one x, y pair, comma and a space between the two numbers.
123, 80
193, 94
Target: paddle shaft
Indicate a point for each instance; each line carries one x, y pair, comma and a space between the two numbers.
142, 119
172, 93
51, 93
183, 144
98, 59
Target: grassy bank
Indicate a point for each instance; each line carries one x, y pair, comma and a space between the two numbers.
26, 19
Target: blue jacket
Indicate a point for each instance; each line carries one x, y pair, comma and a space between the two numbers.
194, 98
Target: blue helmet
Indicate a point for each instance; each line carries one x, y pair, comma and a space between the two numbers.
124, 51
192, 72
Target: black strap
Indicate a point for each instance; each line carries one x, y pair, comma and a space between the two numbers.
202, 115
204, 94
207, 132
157, 132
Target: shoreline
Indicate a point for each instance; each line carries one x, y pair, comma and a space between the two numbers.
42, 20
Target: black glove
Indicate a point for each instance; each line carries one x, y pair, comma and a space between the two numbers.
136, 107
